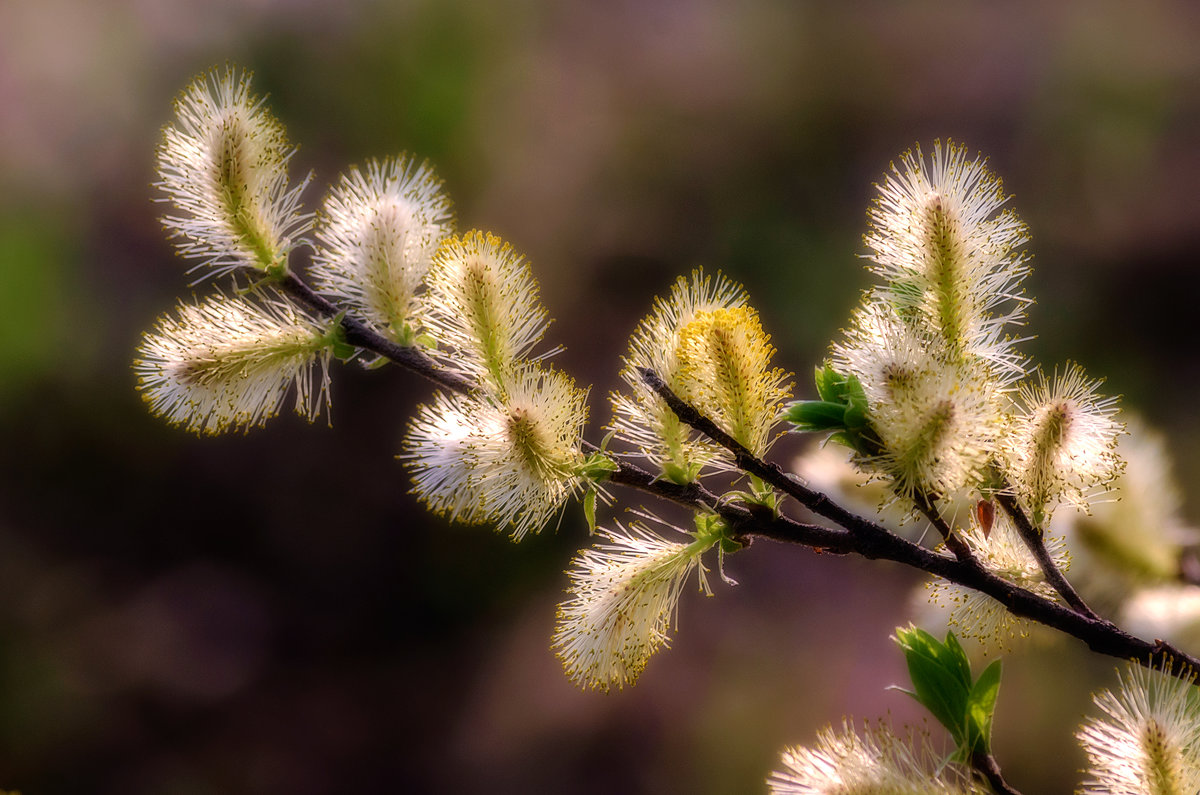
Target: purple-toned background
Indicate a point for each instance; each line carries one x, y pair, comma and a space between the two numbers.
273, 613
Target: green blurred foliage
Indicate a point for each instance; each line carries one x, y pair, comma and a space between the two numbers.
38, 300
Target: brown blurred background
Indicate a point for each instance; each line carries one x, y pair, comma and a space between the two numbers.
273, 613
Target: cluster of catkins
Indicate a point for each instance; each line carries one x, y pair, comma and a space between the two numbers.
926, 388
950, 403
929, 391
383, 252
507, 449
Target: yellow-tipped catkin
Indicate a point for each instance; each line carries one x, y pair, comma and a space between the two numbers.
725, 371
511, 461
1148, 738
931, 347
936, 423
940, 236
1062, 444
875, 761
624, 596
640, 417
223, 165
482, 305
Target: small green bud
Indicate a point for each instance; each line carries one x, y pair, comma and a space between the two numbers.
335, 338
709, 525
712, 528
597, 467
681, 474
589, 509
277, 269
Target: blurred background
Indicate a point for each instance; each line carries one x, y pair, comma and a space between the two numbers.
274, 613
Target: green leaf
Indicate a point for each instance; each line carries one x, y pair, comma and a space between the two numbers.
829, 384
942, 683
843, 405
854, 417
589, 509
956, 655
942, 695
936, 673
597, 467
843, 438
816, 415
728, 545
981, 706
855, 395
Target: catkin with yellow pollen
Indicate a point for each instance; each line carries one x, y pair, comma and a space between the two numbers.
725, 372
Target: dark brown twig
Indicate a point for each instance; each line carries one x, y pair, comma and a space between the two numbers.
362, 336
1032, 537
929, 510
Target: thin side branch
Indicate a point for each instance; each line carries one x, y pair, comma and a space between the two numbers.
955, 544
362, 336
1032, 537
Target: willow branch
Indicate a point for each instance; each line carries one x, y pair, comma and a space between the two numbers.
856, 535
1032, 537
1100, 636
